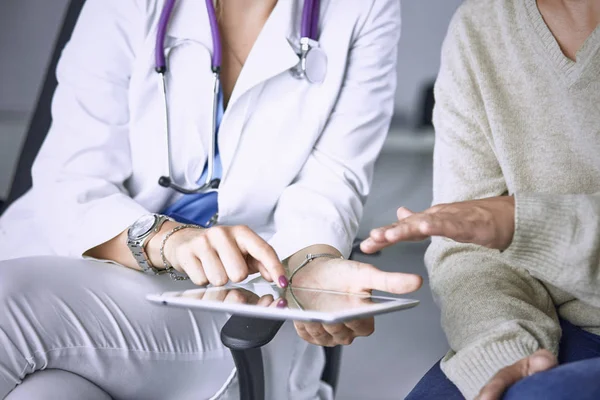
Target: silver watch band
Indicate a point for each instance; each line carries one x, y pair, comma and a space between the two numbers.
137, 246
143, 261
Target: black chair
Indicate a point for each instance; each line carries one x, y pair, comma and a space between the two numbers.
427, 105
42, 117
243, 336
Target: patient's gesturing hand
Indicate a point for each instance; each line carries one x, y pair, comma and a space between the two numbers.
486, 222
350, 277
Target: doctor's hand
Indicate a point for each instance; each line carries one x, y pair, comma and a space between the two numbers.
350, 277
235, 295
486, 222
222, 253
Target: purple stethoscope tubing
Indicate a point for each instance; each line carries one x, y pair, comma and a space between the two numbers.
310, 19
163, 23
309, 26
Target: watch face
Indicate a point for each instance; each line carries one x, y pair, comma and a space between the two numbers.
142, 226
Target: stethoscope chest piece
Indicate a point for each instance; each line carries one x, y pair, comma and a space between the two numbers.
313, 62
315, 65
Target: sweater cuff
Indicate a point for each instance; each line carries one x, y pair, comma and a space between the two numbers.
470, 369
544, 228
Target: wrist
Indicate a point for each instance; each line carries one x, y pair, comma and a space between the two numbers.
292, 262
314, 260
507, 223
153, 245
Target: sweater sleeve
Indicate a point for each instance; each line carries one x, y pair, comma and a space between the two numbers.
557, 239
494, 312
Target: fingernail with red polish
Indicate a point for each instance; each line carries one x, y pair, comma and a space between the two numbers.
283, 282
282, 303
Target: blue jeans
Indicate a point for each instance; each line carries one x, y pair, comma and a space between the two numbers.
576, 378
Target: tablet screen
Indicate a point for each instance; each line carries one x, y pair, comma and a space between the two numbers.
293, 303
272, 296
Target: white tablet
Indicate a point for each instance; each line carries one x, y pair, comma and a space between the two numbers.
265, 300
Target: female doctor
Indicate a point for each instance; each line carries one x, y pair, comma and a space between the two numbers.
206, 142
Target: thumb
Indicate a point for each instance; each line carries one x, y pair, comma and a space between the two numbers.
541, 360
391, 282
403, 213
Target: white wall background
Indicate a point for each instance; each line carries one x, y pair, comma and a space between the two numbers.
424, 25
29, 27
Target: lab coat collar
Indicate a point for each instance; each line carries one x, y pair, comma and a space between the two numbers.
190, 21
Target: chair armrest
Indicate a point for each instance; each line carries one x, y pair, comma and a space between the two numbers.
242, 333
331, 372
244, 336
356, 250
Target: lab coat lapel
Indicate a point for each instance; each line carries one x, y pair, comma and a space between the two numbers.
272, 54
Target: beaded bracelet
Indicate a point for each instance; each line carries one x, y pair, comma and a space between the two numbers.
168, 267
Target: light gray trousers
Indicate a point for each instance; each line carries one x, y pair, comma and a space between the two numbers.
76, 329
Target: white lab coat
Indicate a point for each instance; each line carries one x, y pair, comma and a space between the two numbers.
297, 157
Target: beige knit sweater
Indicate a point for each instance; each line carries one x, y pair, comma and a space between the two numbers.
514, 115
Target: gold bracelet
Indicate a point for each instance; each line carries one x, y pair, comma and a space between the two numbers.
168, 267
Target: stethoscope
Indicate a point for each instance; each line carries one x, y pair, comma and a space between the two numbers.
312, 66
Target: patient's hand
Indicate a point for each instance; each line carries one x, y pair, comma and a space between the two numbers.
486, 222
541, 360
350, 277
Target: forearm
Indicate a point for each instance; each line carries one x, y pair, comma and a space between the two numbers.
116, 249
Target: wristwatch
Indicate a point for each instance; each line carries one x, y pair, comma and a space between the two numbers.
139, 234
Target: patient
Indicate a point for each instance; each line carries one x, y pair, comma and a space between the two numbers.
514, 261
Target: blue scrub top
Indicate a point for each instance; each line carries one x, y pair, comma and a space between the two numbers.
201, 207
